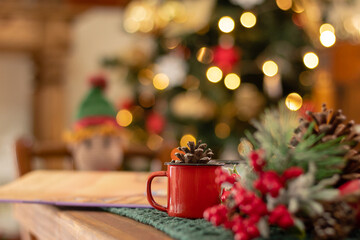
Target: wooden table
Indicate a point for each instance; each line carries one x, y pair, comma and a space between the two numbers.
46, 222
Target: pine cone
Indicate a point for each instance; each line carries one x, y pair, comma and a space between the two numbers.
194, 153
336, 222
333, 125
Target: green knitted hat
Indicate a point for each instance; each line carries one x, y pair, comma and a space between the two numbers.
95, 109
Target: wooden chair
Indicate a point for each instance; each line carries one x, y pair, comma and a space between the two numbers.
27, 150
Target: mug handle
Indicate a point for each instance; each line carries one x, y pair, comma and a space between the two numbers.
149, 195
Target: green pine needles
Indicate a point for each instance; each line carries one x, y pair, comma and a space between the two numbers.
274, 132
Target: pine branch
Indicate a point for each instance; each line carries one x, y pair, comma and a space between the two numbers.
274, 133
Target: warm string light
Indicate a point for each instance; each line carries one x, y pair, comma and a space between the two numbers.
248, 19
327, 27
327, 38
144, 16
226, 24
296, 7
124, 118
311, 60
214, 74
205, 55
161, 81
284, 4
270, 68
186, 138
232, 81
293, 101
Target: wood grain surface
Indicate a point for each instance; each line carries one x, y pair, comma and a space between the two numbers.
46, 222
70, 188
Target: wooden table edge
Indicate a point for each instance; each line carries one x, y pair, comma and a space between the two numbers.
46, 222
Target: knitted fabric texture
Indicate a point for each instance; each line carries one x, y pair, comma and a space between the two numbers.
197, 229
95, 104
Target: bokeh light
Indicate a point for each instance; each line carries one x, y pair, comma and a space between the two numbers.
173, 156
124, 118
270, 68
222, 130
186, 138
161, 81
205, 55
327, 38
297, 7
244, 147
226, 24
145, 76
154, 142
311, 60
214, 74
131, 26
284, 4
293, 101
232, 81
327, 27
146, 99
248, 19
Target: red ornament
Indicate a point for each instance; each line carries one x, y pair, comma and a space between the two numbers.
155, 123
226, 58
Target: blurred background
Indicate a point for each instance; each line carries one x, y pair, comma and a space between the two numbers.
176, 70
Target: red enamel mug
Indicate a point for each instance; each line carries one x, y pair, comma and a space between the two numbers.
191, 189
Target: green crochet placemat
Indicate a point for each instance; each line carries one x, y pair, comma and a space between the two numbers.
188, 229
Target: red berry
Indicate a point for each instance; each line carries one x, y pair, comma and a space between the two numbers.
222, 177
228, 224
238, 226
221, 209
241, 236
257, 160
208, 213
292, 172
217, 220
285, 221
253, 231
225, 194
269, 182
246, 208
259, 208
281, 216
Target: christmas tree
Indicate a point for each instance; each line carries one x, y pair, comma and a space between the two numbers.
211, 78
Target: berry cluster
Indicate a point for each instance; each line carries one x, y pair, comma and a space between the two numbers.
242, 209
223, 177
